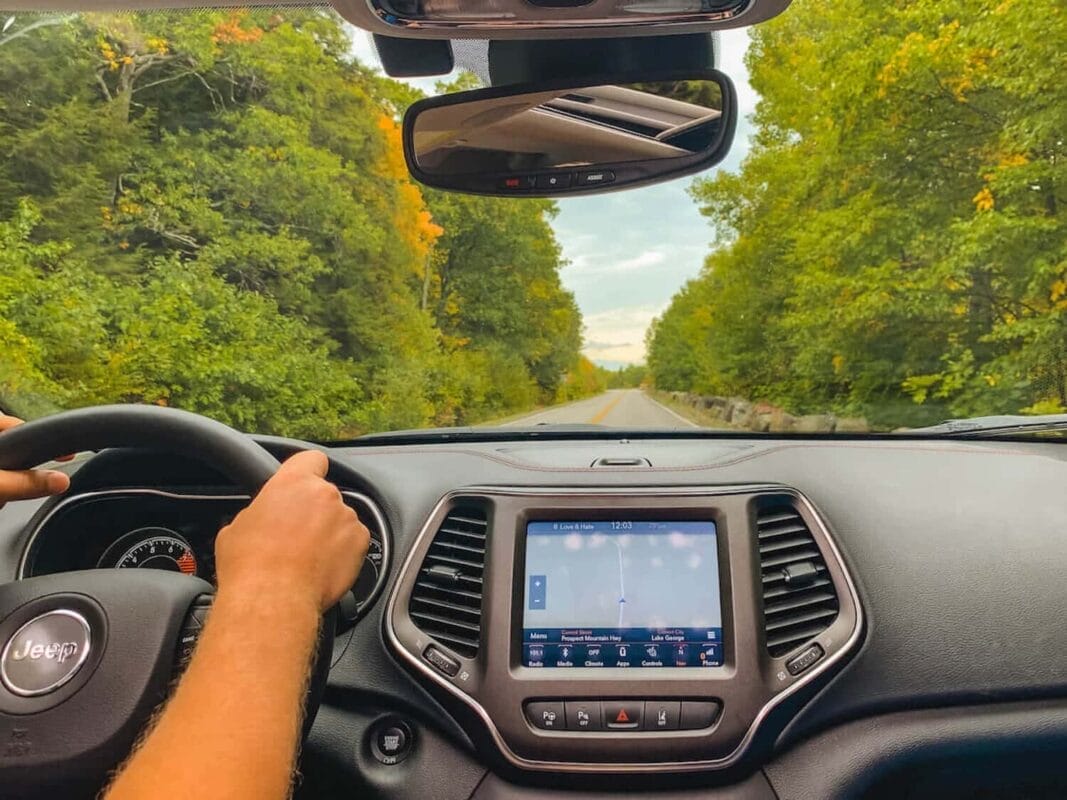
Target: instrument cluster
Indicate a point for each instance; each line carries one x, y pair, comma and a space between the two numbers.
175, 531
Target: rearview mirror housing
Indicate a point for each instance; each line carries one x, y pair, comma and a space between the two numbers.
572, 137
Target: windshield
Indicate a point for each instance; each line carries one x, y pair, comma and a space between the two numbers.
211, 210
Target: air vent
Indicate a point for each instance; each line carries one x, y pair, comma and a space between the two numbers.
446, 601
799, 600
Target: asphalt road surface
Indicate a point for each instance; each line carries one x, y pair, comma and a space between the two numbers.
623, 408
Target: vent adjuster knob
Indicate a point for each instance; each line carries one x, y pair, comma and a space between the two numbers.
443, 576
800, 574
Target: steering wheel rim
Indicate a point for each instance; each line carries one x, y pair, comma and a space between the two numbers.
236, 455
68, 737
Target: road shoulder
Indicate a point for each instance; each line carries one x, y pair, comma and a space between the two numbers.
692, 416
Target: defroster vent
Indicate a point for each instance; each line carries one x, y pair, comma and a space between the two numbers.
799, 600
446, 602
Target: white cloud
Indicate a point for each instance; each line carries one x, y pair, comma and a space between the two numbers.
618, 335
649, 258
598, 346
588, 265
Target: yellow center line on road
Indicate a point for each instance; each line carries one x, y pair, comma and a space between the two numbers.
599, 416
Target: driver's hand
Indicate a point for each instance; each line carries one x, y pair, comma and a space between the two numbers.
297, 536
30, 483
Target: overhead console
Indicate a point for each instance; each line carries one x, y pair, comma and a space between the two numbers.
613, 630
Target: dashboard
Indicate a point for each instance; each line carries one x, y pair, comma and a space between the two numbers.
728, 618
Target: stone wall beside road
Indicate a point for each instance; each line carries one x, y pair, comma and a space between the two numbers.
765, 418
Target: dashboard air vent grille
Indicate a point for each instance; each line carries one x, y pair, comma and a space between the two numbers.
799, 600
446, 601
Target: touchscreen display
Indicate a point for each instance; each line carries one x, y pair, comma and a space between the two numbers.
622, 594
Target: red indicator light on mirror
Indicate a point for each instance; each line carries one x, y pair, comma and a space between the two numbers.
517, 183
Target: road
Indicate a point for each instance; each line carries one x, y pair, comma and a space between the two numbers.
623, 408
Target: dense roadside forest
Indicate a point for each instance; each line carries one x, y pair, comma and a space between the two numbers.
895, 244
211, 210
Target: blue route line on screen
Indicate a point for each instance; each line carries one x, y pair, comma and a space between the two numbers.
622, 584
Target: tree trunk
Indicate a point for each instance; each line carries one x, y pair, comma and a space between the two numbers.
427, 272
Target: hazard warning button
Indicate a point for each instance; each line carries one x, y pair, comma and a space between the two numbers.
623, 714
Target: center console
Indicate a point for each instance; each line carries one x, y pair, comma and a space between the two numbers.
617, 631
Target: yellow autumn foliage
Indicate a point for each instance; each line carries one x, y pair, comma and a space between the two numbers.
410, 216
984, 200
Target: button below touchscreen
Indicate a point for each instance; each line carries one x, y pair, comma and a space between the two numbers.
622, 594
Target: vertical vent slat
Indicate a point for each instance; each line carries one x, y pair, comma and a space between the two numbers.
446, 601
799, 600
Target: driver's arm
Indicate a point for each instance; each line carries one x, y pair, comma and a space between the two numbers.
232, 727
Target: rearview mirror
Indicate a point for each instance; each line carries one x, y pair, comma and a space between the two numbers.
574, 137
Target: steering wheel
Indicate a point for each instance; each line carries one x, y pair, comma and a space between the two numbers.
85, 657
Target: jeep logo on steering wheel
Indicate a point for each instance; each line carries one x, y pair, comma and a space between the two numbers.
60, 651
45, 653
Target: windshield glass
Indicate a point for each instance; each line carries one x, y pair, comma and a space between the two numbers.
210, 210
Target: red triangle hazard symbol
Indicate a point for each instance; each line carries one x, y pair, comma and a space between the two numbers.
622, 716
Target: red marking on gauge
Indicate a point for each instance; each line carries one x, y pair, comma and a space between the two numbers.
187, 564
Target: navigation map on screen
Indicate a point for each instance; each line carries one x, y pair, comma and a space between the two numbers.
622, 594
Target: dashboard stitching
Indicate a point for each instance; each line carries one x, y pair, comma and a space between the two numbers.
892, 446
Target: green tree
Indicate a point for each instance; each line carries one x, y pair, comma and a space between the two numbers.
894, 244
495, 281
211, 209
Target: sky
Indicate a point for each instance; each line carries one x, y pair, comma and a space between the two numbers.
629, 252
